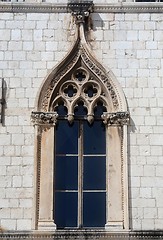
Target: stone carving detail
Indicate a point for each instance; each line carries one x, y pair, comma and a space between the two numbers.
55, 80
80, 91
44, 118
80, 9
103, 78
118, 118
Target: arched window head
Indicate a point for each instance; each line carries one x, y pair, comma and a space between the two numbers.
79, 94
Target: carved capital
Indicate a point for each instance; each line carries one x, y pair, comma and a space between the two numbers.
44, 118
80, 9
117, 118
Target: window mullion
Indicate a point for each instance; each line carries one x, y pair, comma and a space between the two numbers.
80, 175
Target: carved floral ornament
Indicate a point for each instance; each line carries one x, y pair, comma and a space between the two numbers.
80, 80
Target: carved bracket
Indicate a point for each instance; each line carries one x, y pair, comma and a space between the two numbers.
117, 118
80, 9
44, 118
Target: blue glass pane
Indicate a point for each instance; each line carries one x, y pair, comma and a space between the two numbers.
99, 109
66, 138
66, 176
66, 209
94, 138
94, 173
94, 214
80, 110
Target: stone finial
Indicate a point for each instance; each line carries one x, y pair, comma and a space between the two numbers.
80, 9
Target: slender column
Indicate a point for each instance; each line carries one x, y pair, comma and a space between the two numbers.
117, 185
45, 221
114, 184
45, 123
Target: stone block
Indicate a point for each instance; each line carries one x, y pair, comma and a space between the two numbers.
17, 181
8, 224
24, 224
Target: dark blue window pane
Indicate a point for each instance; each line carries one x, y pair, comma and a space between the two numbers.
94, 138
61, 109
99, 109
80, 110
66, 173
94, 214
66, 138
66, 209
94, 173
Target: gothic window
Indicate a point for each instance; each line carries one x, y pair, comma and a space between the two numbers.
81, 143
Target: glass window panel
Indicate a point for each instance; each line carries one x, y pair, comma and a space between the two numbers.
80, 110
99, 109
66, 173
66, 209
94, 173
94, 138
94, 205
66, 138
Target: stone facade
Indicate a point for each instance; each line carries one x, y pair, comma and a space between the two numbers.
127, 42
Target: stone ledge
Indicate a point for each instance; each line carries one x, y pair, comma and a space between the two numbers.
62, 8
83, 235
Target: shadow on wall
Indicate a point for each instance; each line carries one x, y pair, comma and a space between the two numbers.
96, 22
131, 129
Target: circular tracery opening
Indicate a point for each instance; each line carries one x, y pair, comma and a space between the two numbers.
90, 91
70, 91
80, 75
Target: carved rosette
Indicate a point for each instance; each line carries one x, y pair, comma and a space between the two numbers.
44, 118
118, 118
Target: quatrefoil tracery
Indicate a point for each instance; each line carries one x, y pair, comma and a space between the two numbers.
81, 95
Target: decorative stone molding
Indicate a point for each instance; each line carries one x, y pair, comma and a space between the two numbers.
80, 9
82, 235
118, 118
44, 118
62, 8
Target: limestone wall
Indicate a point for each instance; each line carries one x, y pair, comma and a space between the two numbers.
130, 44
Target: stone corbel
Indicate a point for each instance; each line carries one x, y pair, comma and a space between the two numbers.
80, 9
117, 118
44, 118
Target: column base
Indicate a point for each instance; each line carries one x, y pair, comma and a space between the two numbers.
46, 225
114, 226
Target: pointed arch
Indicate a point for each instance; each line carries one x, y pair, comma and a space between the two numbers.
79, 77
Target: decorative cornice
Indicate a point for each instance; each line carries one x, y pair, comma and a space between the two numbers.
44, 118
81, 235
98, 8
117, 118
